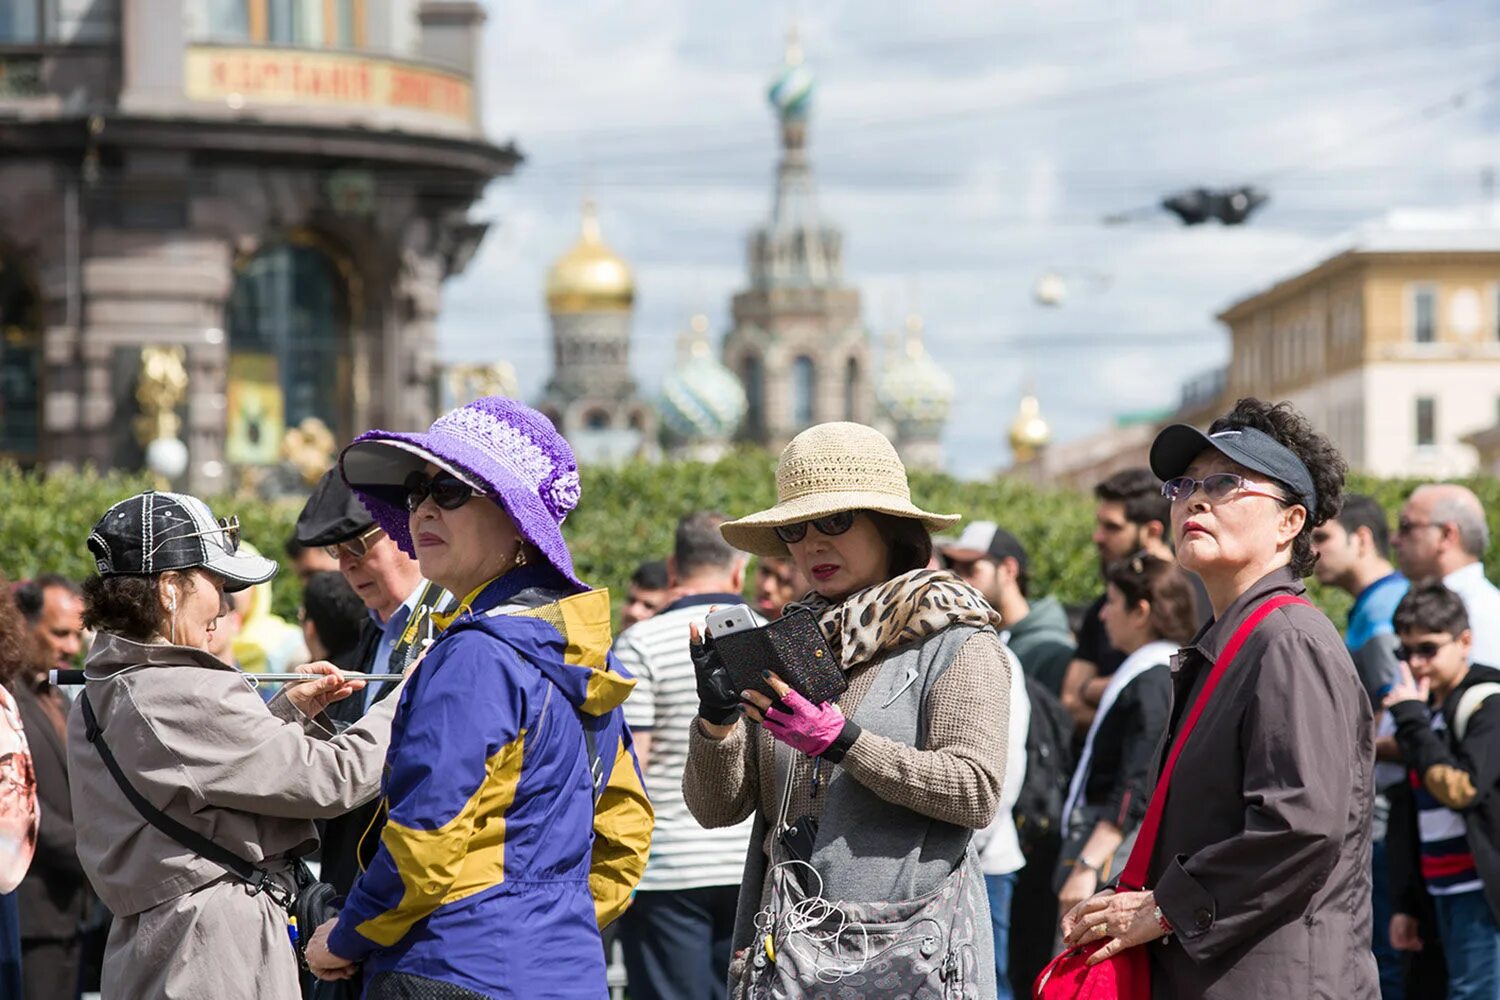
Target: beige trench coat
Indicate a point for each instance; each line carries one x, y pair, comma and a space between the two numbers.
197, 741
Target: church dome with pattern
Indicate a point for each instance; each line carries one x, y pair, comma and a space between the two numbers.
791, 89
590, 277
914, 390
702, 400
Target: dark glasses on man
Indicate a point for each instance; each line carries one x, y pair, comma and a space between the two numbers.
1219, 486
356, 548
832, 524
447, 491
1422, 650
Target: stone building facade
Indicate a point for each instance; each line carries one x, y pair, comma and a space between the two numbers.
277, 187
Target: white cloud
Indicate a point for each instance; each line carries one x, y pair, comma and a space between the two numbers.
964, 147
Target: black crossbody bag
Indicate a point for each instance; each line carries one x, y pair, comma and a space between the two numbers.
310, 904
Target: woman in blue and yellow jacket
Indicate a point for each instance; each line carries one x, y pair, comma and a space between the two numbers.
516, 821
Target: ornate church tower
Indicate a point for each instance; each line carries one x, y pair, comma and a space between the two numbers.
798, 345
591, 397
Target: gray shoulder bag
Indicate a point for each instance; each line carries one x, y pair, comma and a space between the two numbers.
808, 947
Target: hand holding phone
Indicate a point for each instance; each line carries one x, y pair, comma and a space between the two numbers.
718, 698
792, 647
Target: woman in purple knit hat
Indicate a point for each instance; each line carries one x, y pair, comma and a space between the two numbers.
517, 825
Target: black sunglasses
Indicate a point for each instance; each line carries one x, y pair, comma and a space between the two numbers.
1425, 650
447, 491
831, 524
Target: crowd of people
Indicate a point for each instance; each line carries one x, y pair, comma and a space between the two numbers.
480, 786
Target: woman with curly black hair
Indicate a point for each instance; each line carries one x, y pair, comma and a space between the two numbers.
1253, 869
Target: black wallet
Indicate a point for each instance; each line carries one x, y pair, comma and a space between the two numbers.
793, 648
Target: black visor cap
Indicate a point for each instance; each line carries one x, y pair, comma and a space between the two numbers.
1176, 446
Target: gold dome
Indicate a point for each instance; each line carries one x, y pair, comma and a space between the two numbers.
1029, 433
590, 277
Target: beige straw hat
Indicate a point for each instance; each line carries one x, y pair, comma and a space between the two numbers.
826, 469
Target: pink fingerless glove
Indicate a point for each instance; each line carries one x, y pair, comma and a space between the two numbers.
805, 726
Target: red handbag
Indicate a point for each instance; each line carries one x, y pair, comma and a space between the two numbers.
1127, 975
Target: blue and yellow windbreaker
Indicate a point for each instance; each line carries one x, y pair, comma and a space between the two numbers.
496, 866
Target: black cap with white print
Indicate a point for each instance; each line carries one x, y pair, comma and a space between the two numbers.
153, 532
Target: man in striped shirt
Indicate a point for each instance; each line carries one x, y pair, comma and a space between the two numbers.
1454, 756
676, 935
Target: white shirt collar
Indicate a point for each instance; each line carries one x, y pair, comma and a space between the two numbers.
1468, 576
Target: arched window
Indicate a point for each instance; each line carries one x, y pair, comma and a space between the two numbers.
288, 322
851, 390
754, 378
20, 366
596, 420
804, 385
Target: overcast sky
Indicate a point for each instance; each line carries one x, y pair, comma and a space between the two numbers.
966, 148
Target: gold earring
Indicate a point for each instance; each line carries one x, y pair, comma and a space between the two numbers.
520, 555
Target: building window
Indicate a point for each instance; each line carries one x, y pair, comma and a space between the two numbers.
288, 321
755, 396
221, 21
1424, 314
20, 366
851, 390
596, 420
338, 24
21, 22
804, 385
1426, 421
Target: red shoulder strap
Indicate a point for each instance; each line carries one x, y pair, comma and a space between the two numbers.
1134, 875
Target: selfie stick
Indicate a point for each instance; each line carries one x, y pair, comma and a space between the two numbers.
76, 677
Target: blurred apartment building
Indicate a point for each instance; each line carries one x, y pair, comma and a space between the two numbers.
220, 219
1391, 346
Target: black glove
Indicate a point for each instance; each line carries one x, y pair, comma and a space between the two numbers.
718, 701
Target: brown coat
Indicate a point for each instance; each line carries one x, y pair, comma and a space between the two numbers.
1262, 863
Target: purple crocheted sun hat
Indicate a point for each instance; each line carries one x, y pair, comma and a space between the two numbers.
496, 445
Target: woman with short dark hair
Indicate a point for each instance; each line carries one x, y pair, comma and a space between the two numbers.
883, 788
193, 738
1258, 878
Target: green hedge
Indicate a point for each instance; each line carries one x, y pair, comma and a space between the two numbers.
627, 516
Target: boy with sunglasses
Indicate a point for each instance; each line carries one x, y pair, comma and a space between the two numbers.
1453, 751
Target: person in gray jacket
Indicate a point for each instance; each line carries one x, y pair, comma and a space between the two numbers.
195, 740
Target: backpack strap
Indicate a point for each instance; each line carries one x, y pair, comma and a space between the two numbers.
258, 879
1469, 704
1134, 875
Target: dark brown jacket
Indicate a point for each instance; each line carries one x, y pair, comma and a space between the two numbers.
1263, 860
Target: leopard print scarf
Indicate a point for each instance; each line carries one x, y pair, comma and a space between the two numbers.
909, 608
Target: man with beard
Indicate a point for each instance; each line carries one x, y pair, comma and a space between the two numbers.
1130, 517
